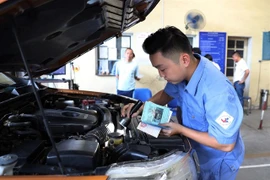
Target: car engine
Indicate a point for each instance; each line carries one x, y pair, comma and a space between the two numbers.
86, 131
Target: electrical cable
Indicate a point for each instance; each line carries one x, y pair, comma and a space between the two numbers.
37, 98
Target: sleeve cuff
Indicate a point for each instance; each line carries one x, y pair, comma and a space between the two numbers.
225, 140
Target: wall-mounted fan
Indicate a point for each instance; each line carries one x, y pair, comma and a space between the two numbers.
194, 20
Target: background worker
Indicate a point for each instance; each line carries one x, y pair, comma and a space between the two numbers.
211, 111
196, 50
240, 75
208, 56
127, 73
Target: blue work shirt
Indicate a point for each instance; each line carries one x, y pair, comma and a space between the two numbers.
210, 104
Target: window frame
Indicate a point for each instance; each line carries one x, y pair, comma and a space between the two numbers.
235, 48
107, 62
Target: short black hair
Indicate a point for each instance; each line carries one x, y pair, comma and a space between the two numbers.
170, 41
208, 56
196, 50
237, 54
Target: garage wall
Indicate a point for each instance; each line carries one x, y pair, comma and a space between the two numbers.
87, 79
242, 18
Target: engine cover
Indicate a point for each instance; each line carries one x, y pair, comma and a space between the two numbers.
63, 121
79, 154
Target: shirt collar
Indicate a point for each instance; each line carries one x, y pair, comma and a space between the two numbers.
196, 76
239, 61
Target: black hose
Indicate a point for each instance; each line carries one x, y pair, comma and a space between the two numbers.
101, 133
5, 117
27, 132
17, 124
105, 114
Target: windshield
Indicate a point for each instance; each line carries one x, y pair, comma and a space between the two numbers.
11, 86
5, 80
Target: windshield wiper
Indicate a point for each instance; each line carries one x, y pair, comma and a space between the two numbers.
37, 98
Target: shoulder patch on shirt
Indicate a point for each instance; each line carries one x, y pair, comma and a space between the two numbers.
224, 120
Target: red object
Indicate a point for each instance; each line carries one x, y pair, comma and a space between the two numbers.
260, 126
85, 102
263, 108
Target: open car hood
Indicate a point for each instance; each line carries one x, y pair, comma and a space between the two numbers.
53, 32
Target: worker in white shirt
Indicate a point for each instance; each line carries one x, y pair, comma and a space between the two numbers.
240, 75
208, 56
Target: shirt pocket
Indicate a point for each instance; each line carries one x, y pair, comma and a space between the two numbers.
196, 119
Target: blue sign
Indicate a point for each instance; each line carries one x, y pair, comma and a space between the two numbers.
214, 43
266, 46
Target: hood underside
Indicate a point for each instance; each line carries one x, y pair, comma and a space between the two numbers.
53, 32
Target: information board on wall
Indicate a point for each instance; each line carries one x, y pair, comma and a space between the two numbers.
214, 43
141, 57
266, 46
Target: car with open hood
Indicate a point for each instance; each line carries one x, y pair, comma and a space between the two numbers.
61, 133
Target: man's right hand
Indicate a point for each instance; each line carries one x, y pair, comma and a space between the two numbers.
125, 111
241, 82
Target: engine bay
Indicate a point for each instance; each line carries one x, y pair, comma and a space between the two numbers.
87, 133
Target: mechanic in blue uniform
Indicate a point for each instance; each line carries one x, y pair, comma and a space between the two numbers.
211, 110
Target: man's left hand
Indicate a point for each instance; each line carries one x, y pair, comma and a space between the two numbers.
241, 82
171, 128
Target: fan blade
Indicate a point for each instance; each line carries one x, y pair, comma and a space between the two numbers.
194, 25
196, 18
189, 17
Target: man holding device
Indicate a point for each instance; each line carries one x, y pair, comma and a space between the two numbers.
211, 111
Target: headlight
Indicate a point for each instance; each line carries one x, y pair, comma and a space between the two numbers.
176, 166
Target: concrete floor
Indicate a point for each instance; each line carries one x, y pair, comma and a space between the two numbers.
256, 165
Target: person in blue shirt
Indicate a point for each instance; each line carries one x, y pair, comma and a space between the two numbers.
127, 74
211, 111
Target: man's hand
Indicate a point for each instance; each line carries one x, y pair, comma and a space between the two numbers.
201, 137
125, 111
241, 82
245, 77
171, 129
